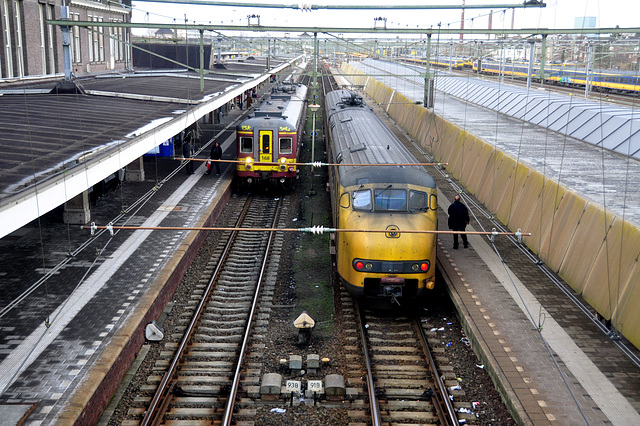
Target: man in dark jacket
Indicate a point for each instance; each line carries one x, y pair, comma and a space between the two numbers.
458, 220
216, 154
187, 153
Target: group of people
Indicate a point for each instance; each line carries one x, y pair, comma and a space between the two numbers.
187, 152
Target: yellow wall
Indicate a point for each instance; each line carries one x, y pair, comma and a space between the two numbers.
595, 252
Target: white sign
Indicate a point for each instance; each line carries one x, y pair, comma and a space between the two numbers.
315, 385
293, 386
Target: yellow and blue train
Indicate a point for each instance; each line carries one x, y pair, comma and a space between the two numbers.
456, 62
392, 267
569, 75
612, 81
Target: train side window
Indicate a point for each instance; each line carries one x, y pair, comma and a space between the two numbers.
433, 202
418, 201
285, 145
391, 199
246, 144
345, 200
362, 200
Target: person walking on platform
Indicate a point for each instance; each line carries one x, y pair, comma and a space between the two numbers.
458, 220
187, 153
216, 154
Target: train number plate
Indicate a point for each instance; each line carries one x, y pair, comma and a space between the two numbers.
294, 386
315, 385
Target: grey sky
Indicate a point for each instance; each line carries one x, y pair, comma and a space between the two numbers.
557, 14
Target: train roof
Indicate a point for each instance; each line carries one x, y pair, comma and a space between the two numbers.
360, 137
414, 175
283, 106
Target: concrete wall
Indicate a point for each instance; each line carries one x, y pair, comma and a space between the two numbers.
594, 251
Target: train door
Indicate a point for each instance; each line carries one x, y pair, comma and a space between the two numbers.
266, 146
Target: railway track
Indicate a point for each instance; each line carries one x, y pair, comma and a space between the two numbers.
392, 360
201, 374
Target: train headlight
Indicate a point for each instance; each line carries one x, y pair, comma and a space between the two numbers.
248, 163
283, 165
415, 267
368, 266
424, 266
359, 266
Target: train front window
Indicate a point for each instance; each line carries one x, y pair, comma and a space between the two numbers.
418, 201
362, 200
285, 145
246, 144
389, 199
265, 143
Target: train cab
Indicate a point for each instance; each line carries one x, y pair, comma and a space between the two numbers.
268, 141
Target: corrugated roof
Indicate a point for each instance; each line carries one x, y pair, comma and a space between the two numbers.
43, 134
613, 127
75, 140
610, 126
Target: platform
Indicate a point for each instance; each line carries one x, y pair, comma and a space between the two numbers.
556, 364
60, 343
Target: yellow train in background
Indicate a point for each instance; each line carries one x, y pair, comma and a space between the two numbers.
612, 81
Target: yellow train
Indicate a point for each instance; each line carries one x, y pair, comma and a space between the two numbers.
388, 268
612, 81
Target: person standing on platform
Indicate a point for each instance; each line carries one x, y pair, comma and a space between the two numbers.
458, 221
216, 154
187, 153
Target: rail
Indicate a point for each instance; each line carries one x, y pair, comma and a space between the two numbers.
376, 419
161, 399
228, 412
444, 406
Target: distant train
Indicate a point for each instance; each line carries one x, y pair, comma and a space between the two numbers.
457, 63
567, 75
272, 135
390, 268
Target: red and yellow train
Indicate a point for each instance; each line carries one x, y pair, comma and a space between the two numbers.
268, 140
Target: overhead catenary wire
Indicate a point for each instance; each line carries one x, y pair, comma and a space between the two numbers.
313, 230
314, 164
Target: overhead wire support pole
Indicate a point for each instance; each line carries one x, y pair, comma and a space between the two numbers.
543, 58
315, 68
530, 68
587, 83
428, 92
66, 44
201, 61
